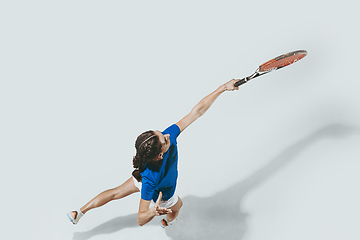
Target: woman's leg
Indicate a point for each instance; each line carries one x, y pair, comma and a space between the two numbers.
175, 210
119, 192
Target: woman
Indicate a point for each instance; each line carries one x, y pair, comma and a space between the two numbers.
155, 173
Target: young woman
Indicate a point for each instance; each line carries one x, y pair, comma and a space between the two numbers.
155, 173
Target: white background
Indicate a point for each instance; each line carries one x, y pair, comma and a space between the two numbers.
276, 160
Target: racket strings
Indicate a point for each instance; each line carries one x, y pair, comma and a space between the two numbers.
281, 61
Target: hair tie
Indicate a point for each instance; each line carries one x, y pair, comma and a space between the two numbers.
147, 140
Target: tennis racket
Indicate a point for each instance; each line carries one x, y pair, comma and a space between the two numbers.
274, 64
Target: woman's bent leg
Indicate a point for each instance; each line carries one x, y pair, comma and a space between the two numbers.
175, 210
119, 192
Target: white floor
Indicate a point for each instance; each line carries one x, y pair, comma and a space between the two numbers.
307, 188
276, 160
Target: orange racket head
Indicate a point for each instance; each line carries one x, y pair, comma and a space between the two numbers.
282, 61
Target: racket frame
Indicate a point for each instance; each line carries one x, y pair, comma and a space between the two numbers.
258, 72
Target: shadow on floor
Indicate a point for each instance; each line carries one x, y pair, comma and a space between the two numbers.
220, 216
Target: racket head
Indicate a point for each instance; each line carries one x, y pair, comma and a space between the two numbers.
282, 61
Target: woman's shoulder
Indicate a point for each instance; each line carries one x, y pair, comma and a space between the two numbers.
173, 130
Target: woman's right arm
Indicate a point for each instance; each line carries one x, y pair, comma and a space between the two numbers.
205, 104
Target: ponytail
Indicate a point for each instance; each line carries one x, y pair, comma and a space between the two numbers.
139, 167
136, 174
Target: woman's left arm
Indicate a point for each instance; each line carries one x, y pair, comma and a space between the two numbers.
146, 214
205, 104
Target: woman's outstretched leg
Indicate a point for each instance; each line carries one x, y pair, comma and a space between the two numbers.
119, 192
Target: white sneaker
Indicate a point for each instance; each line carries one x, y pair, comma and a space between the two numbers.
75, 216
165, 223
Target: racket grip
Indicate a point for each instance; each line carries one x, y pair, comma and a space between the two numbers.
240, 82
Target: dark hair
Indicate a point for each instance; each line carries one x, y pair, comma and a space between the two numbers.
147, 146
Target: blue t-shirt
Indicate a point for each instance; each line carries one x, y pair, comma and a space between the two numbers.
163, 179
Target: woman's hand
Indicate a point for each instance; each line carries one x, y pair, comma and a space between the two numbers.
229, 86
160, 210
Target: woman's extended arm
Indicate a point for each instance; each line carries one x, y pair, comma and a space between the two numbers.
205, 104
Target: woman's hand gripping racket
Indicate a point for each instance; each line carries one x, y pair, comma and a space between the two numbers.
274, 64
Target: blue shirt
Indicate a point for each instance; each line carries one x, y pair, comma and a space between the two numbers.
163, 179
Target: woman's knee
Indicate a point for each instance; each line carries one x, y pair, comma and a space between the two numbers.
177, 206
113, 193
117, 193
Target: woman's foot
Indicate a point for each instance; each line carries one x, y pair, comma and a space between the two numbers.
75, 216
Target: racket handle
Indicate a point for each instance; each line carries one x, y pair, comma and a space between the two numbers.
240, 82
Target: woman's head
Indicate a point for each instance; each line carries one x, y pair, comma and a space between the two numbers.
150, 146
147, 146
